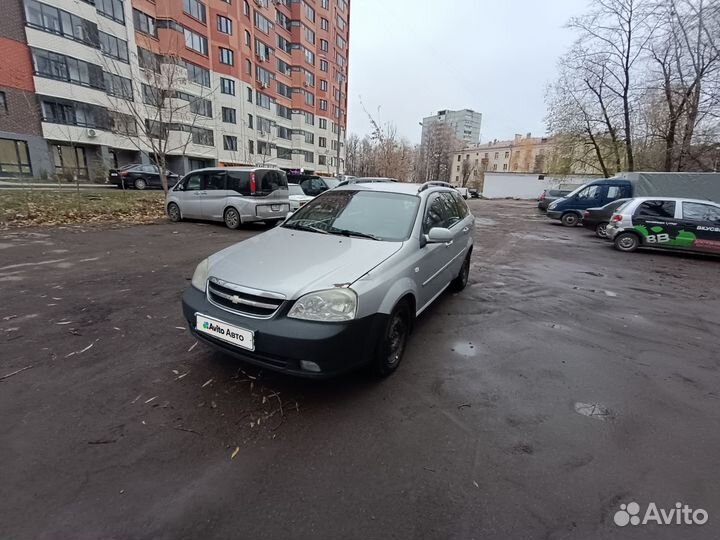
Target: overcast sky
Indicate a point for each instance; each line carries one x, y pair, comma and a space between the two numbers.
414, 57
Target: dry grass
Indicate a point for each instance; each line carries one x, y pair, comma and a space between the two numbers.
28, 207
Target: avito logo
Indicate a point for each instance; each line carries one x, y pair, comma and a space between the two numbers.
629, 514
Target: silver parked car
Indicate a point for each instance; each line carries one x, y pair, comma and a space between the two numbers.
234, 195
339, 284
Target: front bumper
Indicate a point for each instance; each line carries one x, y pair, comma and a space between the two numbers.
554, 214
281, 342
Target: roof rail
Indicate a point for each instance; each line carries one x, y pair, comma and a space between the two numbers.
431, 183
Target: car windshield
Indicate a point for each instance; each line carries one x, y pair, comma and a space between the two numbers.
370, 214
295, 189
575, 191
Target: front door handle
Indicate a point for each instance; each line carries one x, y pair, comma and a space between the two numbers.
466, 229
450, 243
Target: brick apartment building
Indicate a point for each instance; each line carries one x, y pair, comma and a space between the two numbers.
265, 82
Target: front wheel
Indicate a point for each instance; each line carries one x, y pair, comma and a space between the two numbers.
570, 219
173, 212
232, 218
140, 183
601, 230
460, 282
627, 242
391, 348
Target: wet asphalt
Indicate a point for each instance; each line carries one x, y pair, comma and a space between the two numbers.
566, 380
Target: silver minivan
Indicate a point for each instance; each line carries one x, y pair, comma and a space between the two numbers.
234, 195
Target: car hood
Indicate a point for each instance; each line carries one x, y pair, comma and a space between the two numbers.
292, 262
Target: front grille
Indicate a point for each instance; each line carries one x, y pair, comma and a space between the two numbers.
238, 299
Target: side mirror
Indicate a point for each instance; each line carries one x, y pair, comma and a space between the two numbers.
439, 235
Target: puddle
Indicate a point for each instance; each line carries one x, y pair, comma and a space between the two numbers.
464, 349
484, 222
593, 410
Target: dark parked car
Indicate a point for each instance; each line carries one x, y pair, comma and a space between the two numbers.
139, 176
596, 219
474, 194
315, 185
550, 195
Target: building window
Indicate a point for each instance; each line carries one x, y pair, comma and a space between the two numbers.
118, 86
323, 65
250, 95
324, 45
284, 153
322, 142
250, 121
263, 51
507, 155
57, 21
196, 42
112, 9
497, 154
64, 68
324, 24
261, 100
323, 105
246, 8
14, 157
70, 161
263, 76
144, 23
309, 12
229, 115
340, 41
284, 112
261, 23
113, 47
230, 143
323, 85
504, 166
227, 86
322, 123
195, 9
284, 90
248, 67
204, 137
309, 157
284, 133
227, 56
251, 147
248, 38
341, 23
224, 25
197, 74
309, 34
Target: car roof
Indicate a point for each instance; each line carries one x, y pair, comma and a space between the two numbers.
241, 169
676, 199
394, 187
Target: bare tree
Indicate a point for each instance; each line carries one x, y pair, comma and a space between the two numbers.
437, 150
158, 116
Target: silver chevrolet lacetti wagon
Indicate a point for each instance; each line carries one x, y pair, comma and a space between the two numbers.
235, 195
339, 284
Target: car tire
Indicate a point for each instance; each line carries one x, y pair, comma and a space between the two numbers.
232, 218
173, 212
627, 242
394, 338
460, 282
140, 183
569, 219
601, 229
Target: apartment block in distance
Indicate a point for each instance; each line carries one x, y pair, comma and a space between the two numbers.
465, 124
258, 81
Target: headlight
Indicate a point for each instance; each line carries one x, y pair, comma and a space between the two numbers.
331, 305
552, 205
200, 276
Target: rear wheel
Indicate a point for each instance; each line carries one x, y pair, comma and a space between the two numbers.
391, 348
173, 211
569, 219
601, 230
459, 283
627, 242
140, 183
232, 218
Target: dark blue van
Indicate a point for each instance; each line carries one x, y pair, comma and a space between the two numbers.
569, 209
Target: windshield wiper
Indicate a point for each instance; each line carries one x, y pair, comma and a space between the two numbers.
301, 227
346, 232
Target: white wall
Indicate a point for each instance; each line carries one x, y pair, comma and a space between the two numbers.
525, 186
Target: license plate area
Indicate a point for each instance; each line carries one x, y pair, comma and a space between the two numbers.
240, 337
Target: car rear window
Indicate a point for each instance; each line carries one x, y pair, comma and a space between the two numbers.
658, 209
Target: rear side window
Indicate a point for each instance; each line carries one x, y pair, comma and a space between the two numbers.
239, 181
656, 209
701, 212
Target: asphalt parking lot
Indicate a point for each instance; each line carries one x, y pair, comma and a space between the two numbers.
566, 379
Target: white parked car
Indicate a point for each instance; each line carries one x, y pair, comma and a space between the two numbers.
297, 197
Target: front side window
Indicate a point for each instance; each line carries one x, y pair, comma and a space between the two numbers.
381, 216
701, 212
192, 183
656, 209
589, 193
442, 211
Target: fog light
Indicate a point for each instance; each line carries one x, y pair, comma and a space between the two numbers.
309, 366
